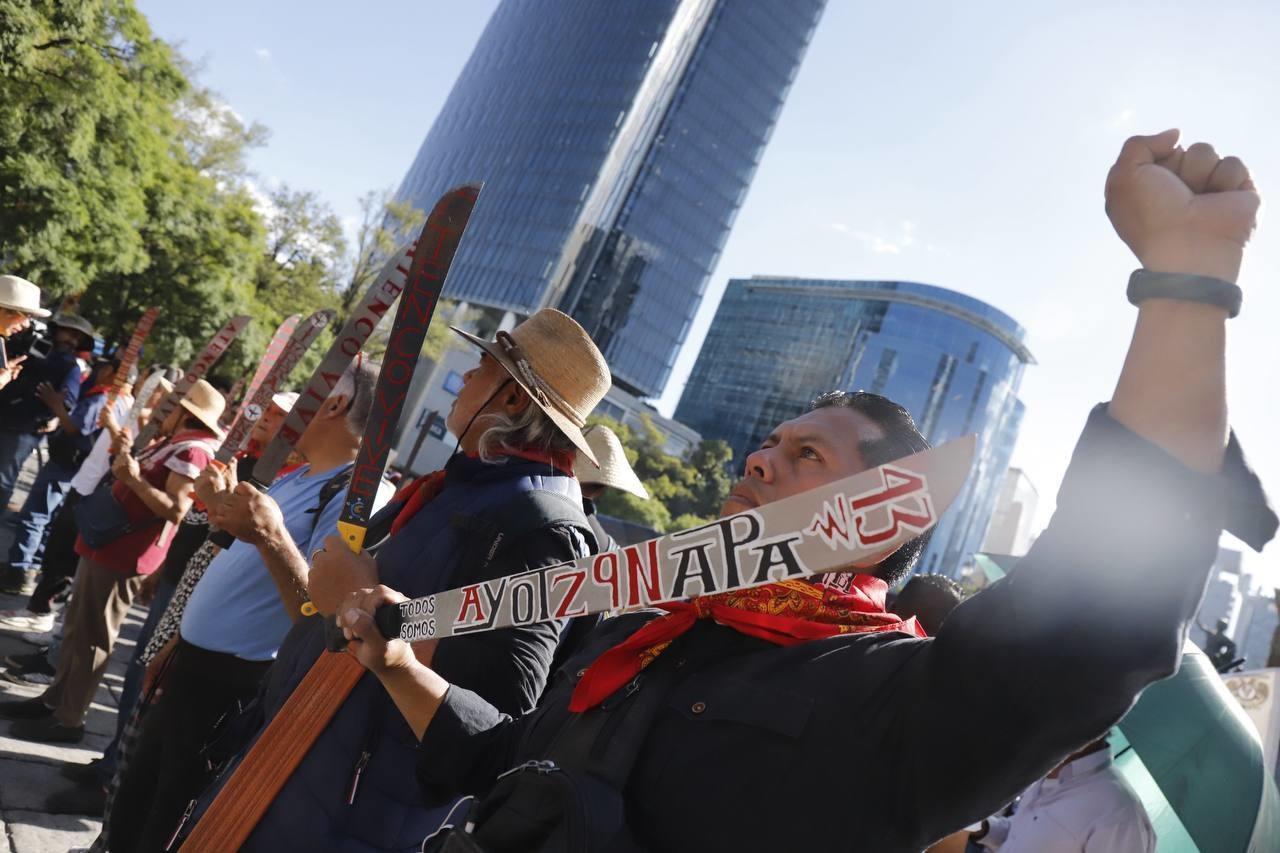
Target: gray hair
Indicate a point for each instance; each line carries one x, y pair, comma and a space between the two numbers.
529, 430
357, 383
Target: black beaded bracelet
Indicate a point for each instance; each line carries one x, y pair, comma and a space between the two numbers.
1145, 284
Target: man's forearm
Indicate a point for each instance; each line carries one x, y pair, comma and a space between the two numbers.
288, 569
65, 422
160, 502
417, 691
1172, 390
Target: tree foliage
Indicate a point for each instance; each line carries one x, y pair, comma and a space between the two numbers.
385, 226
683, 492
87, 127
123, 180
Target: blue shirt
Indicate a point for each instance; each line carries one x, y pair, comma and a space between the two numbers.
236, 607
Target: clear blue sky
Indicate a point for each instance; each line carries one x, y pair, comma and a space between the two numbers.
962, 145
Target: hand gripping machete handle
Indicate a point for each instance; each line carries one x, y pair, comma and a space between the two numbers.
334, 640
387, 618
221, 538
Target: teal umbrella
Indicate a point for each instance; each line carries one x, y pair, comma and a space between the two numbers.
1193, 756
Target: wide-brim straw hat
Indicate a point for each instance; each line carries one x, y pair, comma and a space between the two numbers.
554, 360
18, 294
613, 470
205, 403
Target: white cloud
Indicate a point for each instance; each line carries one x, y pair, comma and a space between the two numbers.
262, 202
1125, 117
883, 243
263, 54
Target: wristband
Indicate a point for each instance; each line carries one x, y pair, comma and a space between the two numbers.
1145, 284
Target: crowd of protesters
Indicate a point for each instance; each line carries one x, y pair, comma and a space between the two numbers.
885, 726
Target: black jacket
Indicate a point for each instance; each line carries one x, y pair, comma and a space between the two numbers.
883, 742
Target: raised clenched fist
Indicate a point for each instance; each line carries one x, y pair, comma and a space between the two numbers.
1183, 211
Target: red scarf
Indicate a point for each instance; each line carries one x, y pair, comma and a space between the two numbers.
786, 613
424, 489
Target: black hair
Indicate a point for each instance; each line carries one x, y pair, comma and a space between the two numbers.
901, 438
929, 598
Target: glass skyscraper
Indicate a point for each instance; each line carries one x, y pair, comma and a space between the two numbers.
616, 141
953, 361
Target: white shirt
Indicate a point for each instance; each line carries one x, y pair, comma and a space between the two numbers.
96, 465
1088, 808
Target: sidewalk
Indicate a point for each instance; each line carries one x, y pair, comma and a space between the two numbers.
29, 771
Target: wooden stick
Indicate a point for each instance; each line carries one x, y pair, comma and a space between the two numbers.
268, 765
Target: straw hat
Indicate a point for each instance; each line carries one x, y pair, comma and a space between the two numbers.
18, 294
614, 471
206, 404
554, 361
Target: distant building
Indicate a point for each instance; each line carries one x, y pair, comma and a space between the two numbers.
1012, 523
1223, 595
1257, 626
435, 387
678, 439
616, 142
953, 361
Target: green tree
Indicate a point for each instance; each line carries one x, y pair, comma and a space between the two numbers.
86, 124
297, 271
683, 492
385, 226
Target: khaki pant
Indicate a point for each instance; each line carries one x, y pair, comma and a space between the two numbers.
100, 598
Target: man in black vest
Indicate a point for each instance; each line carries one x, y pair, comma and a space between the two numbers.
871, 739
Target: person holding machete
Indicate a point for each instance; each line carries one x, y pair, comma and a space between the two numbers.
136, 514
507, 502
673, 732
238, 613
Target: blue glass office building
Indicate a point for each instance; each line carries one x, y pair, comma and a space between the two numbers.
953, 361
616, 141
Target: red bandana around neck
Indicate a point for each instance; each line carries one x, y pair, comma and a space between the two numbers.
786, 613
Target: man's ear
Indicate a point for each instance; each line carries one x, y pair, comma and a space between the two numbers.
335, 405
515, 400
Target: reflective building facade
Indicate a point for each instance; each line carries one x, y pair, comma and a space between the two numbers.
616, 141
953, 361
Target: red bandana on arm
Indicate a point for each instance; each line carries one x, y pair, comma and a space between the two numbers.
786, 613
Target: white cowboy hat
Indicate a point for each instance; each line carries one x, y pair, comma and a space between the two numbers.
285, 400
18, 294
206, 404
554, 361
614, 471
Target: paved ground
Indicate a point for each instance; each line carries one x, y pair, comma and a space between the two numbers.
29, 771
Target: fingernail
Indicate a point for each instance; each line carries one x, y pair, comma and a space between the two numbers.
352, 616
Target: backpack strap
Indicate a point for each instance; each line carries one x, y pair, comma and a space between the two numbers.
330, 490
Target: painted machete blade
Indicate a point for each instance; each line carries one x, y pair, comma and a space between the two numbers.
286, 359
854, 521
208, 358
431, 260
349, 341
283, 333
